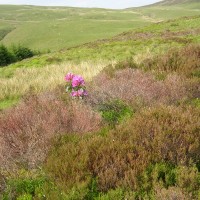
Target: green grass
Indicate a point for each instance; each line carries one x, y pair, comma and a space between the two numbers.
138, 45
129, 44
54, 28
8, 102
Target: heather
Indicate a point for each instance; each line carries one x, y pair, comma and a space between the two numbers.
133, 136
27, 129
155, 148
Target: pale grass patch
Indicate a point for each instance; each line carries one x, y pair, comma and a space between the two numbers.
47, 78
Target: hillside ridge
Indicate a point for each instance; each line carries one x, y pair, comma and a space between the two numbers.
174, 2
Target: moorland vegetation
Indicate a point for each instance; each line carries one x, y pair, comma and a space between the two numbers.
135, 135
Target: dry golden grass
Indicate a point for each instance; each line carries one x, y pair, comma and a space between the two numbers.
42, 79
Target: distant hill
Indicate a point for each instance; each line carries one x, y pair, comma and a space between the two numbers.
174, 2
54, 28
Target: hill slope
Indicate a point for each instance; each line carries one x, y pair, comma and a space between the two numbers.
57, 27
17, 79
174, 2
54, 28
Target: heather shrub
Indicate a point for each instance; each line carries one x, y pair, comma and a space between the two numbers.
137, 88
26, 130
184, 61
163, 134
188, 179
68, 161
170, 133
2, 184
126, 158
171, 193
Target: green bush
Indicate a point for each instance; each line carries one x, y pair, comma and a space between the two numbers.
5, 56
21, 52
14, 54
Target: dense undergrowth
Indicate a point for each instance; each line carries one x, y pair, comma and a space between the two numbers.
136, 135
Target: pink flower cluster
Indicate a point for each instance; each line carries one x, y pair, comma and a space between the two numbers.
76, 85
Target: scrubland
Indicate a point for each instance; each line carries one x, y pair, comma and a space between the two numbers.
135, 136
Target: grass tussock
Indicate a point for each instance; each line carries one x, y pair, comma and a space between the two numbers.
27, 129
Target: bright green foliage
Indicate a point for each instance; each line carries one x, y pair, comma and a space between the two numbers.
115, 112
25, 197
162, 173
23, 189
8, 102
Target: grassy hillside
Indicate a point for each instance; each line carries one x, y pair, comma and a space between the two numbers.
170, 9
174, 2
54, 28
137, 45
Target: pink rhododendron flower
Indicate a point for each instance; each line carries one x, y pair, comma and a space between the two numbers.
77, 81
76, 86
69, 77
80, 92
74, 94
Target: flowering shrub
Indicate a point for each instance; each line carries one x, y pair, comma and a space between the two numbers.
75, 85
